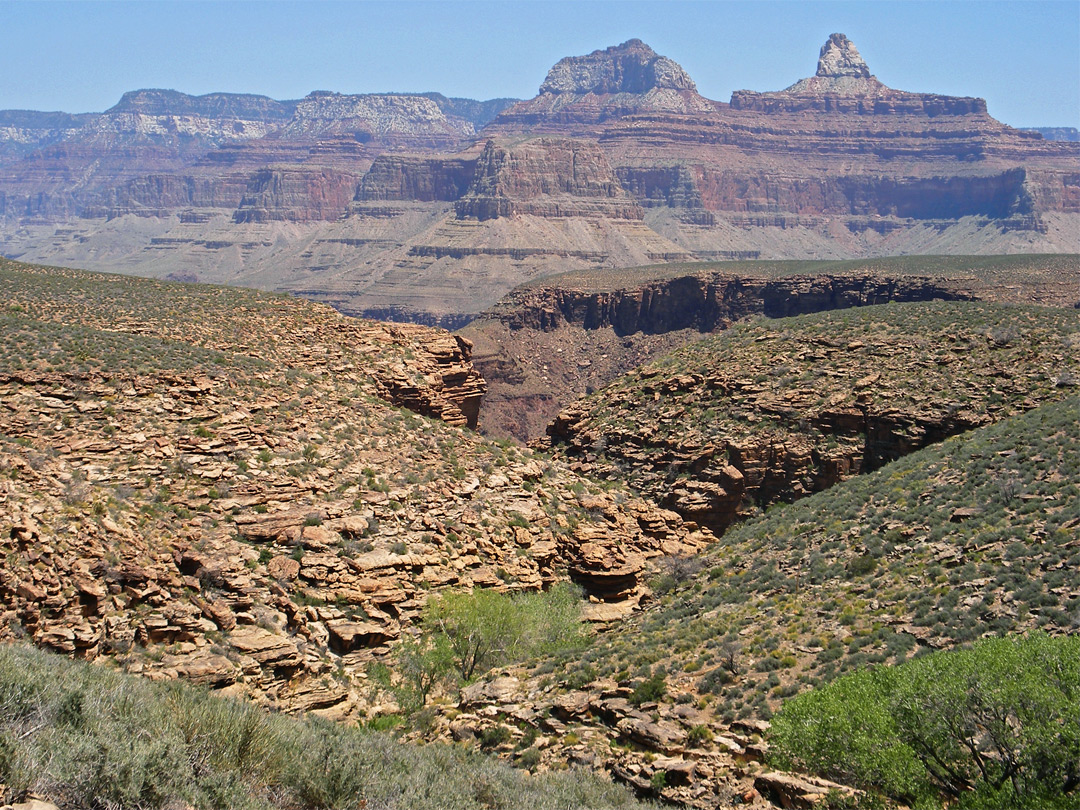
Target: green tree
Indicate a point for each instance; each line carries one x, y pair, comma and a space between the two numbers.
1002, 719
485, 628
997, 725
845, 730
478, 626
423, 663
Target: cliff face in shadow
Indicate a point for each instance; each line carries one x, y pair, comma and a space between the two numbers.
707, 303
547, 344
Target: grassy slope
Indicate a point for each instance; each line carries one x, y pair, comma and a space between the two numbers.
84, 737
876, 568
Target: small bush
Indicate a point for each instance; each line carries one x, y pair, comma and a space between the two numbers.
494, 736
649, 690
699, 734
714, 681
529, 759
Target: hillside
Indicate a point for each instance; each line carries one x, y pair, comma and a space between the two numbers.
222, 485
773, 410
974, 537
561, 337
262, 497
78, 734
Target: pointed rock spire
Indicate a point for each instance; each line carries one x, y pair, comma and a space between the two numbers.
840, 70
839, 57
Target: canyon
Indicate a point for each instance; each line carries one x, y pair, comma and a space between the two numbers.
555, 340
258, 495
425, 208
694, 391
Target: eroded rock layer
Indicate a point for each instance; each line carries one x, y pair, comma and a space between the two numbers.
774, 410
437, 207
548, 343
215, 484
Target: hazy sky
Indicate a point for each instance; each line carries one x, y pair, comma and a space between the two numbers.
1022, 57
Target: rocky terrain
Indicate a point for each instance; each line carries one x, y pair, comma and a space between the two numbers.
773, 410
550, 342
220, 485
418, 207
974, 537
260, 496
780, 471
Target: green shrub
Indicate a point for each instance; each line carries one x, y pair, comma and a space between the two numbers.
649, 690
485, 628
699, 734
529, 759
994, 726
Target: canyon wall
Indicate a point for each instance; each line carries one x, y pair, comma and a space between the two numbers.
708, 302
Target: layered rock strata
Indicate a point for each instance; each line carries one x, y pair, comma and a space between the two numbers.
774, 411
214, 484
550, 178
437, 210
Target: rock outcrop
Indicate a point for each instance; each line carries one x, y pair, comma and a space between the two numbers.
708, 302
583, 94
215, 485
843, 83
364, 117
225, 106
774, 411
416, 178
296, 195
839, 58
632, 67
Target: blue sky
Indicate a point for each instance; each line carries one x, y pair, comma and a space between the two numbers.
1022, 57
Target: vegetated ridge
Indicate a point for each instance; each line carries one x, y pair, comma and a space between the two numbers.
974, 537
78, 734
